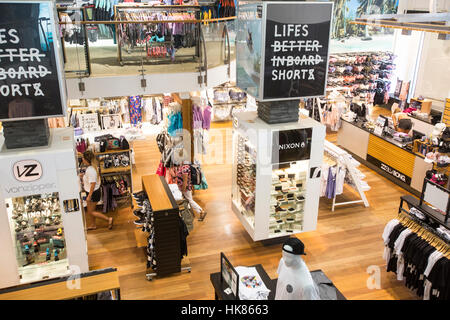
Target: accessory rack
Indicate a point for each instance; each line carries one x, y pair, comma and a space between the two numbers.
166, 224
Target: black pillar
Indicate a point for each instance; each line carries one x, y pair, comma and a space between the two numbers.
273, 112
26, 133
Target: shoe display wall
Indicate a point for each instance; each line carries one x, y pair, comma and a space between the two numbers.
288, 199
246, 178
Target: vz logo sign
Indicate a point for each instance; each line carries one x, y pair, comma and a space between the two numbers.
27, 170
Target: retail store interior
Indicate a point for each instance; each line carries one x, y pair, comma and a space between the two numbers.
196, 175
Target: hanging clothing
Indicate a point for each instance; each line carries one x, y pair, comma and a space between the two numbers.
135, 110
331, 183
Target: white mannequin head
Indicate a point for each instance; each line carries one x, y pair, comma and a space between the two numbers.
291, 260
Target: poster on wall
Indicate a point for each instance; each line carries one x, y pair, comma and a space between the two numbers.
296, 42
89, 122
31, 83
111, 121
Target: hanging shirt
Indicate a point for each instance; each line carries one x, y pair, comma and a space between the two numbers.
207, 117
91, 176
135, 110
340, 179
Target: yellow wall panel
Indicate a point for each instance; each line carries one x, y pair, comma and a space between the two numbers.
391, 155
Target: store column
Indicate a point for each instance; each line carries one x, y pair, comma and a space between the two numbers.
282, 57
41, 220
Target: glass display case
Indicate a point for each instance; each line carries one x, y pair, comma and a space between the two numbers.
38, 235
246, 179
276, 175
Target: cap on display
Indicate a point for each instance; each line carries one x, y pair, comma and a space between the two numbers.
294, 246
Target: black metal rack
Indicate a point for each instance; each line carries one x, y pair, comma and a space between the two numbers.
166, 226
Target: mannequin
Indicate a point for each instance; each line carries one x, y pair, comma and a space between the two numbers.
294, 280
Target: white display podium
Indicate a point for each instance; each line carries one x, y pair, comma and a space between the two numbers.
276, 175
42, 233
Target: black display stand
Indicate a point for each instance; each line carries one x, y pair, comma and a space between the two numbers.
166, 226
273, 112
26, 133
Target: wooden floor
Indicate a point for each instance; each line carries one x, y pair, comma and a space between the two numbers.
346, 243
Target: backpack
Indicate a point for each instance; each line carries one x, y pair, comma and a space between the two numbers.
103, 145
196, 175
124, 145
113, 143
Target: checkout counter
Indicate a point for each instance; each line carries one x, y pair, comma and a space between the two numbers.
387, 156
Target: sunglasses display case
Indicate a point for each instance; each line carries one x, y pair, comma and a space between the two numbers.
38, 234
42, 231
276, 175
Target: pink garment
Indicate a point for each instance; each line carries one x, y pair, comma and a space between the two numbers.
207, 118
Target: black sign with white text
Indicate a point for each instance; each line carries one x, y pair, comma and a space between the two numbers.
29, 70
389, 170
296, 49
291, 145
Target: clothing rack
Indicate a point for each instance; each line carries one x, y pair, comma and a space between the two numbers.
423, 224
414, 248
154, 9
117, 171
343, 159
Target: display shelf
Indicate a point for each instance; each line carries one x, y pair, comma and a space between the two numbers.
111, 152
114, 170
257, 140
42, 229
117, 171
425, 105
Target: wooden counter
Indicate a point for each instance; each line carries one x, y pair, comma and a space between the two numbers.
385, 156
160, 198
59, 290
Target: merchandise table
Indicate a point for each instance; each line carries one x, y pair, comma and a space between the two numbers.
271, 284
385, 155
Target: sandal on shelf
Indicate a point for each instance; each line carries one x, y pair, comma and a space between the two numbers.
91, 228
202, 216
110, 225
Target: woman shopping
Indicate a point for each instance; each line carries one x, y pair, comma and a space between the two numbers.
91, 184
185, 185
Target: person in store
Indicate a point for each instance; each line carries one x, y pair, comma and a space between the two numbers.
185, 185
91, 184
402, 122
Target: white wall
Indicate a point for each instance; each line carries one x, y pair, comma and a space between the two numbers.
117, 86
441, 5
406, 48
433, 79
433, 72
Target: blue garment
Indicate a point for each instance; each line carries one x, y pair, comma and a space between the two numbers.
135, 110
175, 123
331, 184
